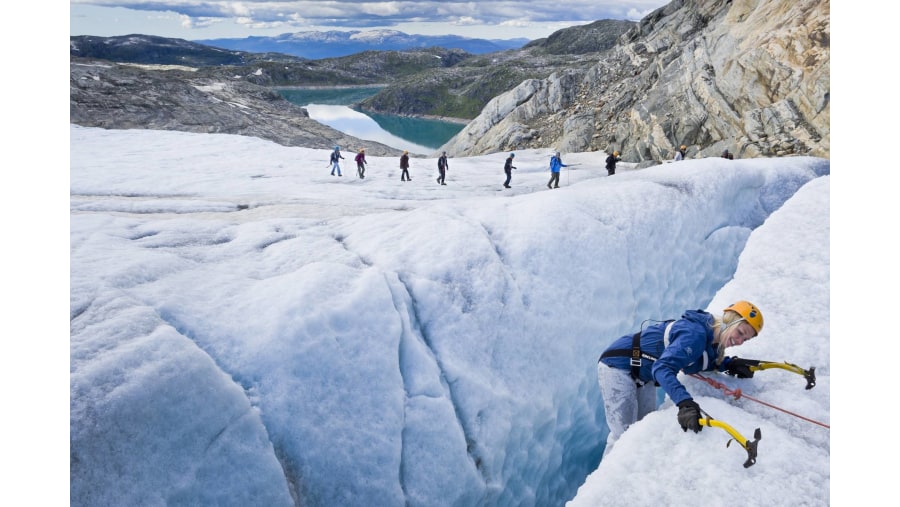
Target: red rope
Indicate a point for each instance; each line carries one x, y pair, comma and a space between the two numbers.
738, 394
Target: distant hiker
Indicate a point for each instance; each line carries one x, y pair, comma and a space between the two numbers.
443, 167
404, 165
361, 163
680, 153
696, 342
611, 163
335, 161
508, 167
555, 164
727, 154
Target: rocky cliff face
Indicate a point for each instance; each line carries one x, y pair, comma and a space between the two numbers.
752, 76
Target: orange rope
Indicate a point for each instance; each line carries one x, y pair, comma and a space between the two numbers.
737, 394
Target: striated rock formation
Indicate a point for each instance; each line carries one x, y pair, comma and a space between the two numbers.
752, 76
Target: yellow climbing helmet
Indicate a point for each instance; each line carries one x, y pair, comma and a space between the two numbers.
749, 312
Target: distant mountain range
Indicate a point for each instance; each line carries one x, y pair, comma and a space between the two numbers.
316, 45
709, 74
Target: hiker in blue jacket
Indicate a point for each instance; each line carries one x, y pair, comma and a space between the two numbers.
555, 165
335, 161
696, 342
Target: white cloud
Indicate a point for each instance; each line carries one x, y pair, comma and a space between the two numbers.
466, 21
198, 22
516, 23
346, 14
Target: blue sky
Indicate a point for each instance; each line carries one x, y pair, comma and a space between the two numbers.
193, 20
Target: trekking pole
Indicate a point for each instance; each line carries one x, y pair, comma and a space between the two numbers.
749, 446
568, 168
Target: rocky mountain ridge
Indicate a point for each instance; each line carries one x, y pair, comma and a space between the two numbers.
463, 89
155, 50
140, 81
172, 84
128, 96
266, 69
752, 76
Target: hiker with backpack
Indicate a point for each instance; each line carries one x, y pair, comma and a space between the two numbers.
404, 166
611, 163
633, 365
555, 165
361, 163
335, 161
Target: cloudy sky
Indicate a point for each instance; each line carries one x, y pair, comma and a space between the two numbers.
191, 20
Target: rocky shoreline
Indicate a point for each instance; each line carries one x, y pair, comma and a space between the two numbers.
123, 96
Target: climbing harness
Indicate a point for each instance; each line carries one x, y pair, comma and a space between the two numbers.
636, 354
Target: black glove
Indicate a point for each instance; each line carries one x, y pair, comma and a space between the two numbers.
689, 416
740, 368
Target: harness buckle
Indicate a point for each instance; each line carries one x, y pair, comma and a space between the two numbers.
636, 354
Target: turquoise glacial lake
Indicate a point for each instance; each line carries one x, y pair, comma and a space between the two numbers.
331, 106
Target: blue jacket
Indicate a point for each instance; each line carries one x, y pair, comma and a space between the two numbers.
555, 164
690, 350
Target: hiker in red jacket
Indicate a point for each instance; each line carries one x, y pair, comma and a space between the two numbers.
361, 163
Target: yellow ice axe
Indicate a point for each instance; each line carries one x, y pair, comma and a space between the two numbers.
748, 446
809, 375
